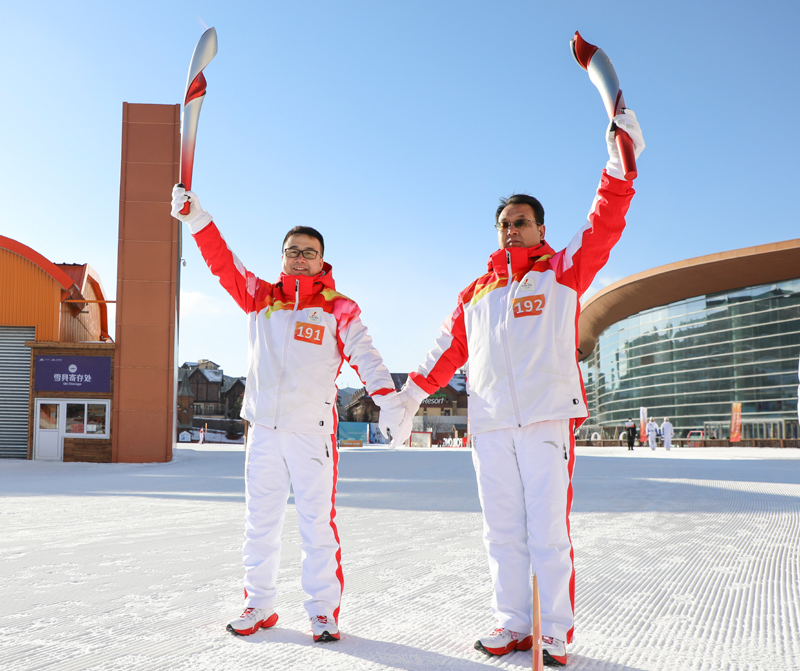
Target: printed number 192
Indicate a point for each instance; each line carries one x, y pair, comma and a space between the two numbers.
531, 305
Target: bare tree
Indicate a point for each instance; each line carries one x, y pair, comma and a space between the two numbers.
440, 424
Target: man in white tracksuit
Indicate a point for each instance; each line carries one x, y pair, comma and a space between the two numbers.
667, 432
301, 330
652, 433
516, 326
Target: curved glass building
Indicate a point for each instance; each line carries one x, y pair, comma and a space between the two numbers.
688, 340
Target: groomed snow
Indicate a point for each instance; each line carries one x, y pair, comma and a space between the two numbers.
685, 560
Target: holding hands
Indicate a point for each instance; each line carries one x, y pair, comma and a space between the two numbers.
393, 421
404, 405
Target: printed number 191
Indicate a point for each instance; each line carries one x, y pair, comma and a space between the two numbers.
309, 333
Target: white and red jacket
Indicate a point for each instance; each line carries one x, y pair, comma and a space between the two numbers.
517, 325
301, 330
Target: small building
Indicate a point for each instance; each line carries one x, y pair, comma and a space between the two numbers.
212, 393
206, 384
232, 396
57, 359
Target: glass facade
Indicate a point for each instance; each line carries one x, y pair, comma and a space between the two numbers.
691, 360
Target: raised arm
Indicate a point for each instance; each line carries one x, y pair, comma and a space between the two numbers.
240, 283
589, 249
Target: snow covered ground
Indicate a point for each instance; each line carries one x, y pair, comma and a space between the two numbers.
685, 560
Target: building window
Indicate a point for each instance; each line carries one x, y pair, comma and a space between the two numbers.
76, 414
86, 418
96, 418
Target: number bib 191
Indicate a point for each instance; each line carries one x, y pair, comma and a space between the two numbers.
309, 332
530, 305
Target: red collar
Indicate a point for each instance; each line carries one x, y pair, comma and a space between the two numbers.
307, 284
522, 258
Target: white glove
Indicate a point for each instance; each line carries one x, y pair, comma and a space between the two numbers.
393, 418
411, 396
198, 218
625, 121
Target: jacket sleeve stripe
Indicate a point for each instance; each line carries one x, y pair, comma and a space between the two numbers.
356, 347
222, 262
589, 249
447, 356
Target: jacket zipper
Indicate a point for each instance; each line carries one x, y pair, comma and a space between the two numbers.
506, 350
287, 339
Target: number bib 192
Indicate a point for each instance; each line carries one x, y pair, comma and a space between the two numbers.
309, 332
530, 305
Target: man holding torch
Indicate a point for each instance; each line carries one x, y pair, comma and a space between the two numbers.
516, 328
301, 331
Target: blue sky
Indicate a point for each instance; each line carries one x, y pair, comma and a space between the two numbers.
394, 128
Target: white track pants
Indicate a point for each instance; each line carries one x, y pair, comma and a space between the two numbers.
276, 459
525, 487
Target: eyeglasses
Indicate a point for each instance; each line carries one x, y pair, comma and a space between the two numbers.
292, 253
519, 223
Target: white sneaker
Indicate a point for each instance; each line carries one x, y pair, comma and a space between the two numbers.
324, 629
554, 651
251, 620
502, 641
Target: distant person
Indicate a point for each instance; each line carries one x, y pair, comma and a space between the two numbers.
301, 330
652, 433
516, 325
667, 432
630, 433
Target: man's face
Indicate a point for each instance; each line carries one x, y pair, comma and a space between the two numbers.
301, 265
527, 236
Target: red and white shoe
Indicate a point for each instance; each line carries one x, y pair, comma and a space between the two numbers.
324, 629
554, 651
251, 621
502, 641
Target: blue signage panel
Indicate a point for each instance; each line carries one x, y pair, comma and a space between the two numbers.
73, 373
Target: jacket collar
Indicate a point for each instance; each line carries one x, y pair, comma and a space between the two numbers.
522, 258
308, 284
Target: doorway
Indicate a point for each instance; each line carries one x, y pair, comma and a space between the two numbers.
71, 418
48, 443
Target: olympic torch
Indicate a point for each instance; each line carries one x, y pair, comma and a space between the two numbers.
604, 77
205, 50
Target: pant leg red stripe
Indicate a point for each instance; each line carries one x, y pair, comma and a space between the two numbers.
335, 456
570, 469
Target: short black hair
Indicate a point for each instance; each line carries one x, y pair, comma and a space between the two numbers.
310, 232
521, 199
